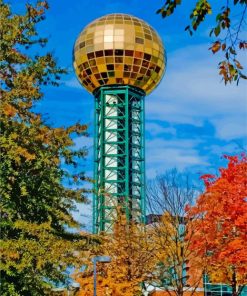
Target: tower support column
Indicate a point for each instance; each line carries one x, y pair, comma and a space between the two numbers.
119, 170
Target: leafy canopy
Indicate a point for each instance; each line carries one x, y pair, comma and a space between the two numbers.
132, 260
220, 216
35, 204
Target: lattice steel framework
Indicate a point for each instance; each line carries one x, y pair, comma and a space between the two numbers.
119, 171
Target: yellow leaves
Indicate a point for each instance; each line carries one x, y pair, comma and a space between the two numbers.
14, 136
23, 152
131, 260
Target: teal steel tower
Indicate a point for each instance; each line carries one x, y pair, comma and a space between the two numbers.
119, 58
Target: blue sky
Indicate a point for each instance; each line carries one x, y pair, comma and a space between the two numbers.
192, 118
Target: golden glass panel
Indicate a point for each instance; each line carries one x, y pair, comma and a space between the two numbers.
98, 46
159, 63
129, 39
148, 50
95, 70
89, 49
118, 74
100, 60
118, 38
89, 36
118, 45
102, 68
128, 61
98, 39
119, 32
89, 42
109, 60
119, 49
109, 27
119, 67
99, 32
108, 45
92, 62
129, 46
155, 53
108, 38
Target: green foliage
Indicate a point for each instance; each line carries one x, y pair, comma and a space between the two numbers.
225, 32
35, 206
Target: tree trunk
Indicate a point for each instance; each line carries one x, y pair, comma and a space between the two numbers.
234, 283
180, 291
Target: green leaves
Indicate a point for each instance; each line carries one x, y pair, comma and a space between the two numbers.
217, 31
168, 8
199, 13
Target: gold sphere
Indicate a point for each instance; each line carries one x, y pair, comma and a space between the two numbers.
119, 49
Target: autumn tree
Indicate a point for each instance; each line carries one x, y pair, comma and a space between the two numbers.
167, 197
220, 223
132, 259
226, 33
36, 247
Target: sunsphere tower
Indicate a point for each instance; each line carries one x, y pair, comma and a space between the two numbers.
119, 58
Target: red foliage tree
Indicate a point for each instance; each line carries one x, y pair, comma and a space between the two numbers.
220, 222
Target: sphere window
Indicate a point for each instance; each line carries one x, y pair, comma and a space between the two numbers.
118, 59
139, 40
99, 53
119, 52
82, 44
110, 67
108, 52
108, 38
129, 53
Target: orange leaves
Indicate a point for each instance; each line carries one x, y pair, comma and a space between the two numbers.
221, 213
230, 67
238, 65
215, 47
44, 4
9, 110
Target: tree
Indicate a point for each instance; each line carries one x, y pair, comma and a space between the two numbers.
167, 196
35, 204
132, 259
226, 31
219, 224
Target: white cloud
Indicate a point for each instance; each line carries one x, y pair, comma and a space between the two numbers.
166, 154
191, 92
155, 129
73, 83
231, 127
